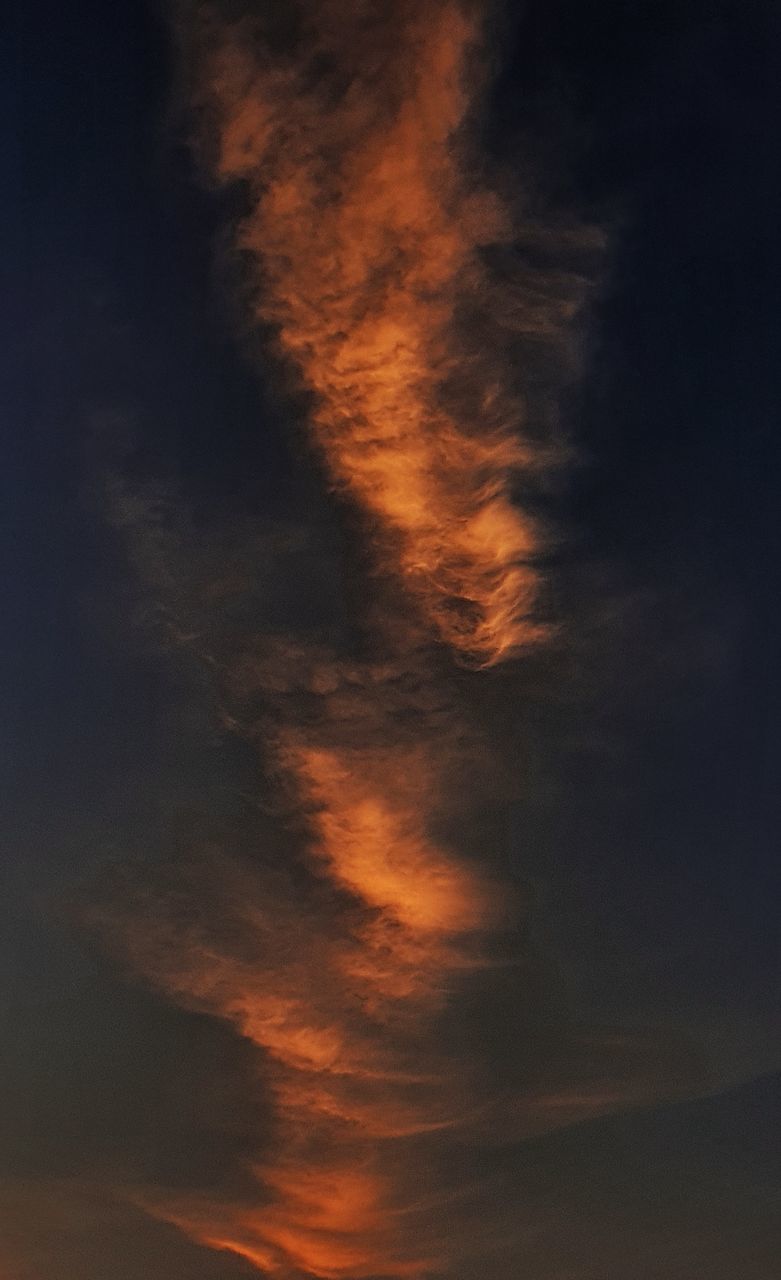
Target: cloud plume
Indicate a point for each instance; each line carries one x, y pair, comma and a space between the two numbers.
370, 961
364, 242
380, 969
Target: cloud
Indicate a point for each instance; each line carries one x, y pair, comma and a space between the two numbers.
75, 1230
363, 248
403, 1026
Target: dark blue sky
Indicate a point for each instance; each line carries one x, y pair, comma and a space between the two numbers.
652, 832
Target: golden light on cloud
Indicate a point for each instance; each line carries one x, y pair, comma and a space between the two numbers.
364, 241
363, 248
372, 836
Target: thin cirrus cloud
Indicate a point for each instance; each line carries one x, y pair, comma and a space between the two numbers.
376, 964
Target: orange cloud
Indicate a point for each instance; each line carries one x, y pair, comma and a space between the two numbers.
364, 241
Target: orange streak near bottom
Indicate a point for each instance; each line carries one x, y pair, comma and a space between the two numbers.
354, 1066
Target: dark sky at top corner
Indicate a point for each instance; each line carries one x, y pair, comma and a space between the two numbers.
659, 850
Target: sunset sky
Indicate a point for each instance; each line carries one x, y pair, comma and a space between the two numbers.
390, 716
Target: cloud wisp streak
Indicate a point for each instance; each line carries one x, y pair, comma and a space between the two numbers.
364, 248
358, 963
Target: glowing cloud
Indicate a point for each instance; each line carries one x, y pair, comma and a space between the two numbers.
364, 241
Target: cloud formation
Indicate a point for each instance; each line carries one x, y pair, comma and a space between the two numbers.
364, 247
379, 966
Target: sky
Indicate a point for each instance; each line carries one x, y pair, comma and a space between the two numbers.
250, 255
